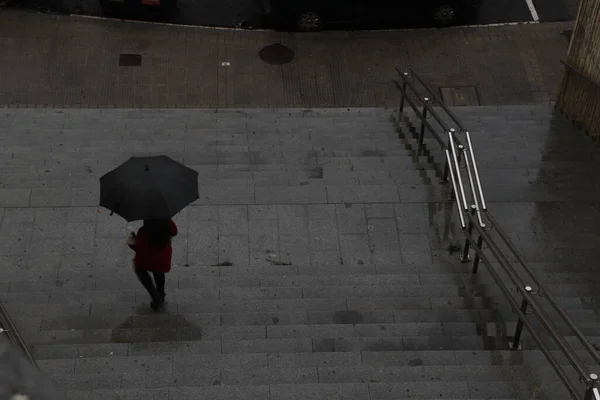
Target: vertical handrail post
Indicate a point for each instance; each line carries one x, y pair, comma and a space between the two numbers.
461, 148
480, 247
516, 344
445, 176
404, 78
465, 254
422, 131
592, 392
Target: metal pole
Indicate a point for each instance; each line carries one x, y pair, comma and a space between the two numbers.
404, 77
592, 392
476, 171
446, 167
422, 132
460, 211
452, 194
516, 344
465, 254
479, 246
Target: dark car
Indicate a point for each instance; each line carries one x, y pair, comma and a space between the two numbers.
314, 15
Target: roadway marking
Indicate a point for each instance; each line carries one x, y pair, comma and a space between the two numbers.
532, 10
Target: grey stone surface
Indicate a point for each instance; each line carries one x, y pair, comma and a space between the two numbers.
353, 391
238, 392
341, 284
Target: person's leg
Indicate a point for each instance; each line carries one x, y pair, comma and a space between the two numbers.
146, 281
159, 278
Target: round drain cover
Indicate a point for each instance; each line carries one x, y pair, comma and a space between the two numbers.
276, 54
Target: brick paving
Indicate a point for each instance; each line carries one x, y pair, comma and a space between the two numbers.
50, 61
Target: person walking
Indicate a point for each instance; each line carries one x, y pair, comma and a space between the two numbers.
153, 252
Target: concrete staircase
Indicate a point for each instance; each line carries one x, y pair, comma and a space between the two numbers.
315, 265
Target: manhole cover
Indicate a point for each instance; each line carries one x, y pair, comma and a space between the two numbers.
460, 96
276, 54
130, 60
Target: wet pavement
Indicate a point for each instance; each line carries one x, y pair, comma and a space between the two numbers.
74, 61
339, 272
321, 259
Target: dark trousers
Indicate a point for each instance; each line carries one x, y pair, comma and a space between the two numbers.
157, 292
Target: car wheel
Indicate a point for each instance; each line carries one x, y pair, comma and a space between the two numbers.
309, 22
445, 14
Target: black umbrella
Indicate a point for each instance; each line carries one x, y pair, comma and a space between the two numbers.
148, 188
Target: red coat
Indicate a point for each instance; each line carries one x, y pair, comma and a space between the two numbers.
152, 259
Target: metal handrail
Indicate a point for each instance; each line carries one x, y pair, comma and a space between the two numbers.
572, 324
453, 143
437, 99
8, 327
579, 73
473, 219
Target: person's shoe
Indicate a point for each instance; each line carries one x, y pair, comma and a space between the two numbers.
162, 296
157, 304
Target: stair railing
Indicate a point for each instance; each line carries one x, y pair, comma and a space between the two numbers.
477, 222
7, 327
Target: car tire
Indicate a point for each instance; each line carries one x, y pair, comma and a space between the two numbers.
445, 15
309, 21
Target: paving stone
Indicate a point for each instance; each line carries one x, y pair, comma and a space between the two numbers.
407, 303
352, 391
260, 212
134, 394
415, 248
380, 211
346, 317
267, 346
383, 235
88, 382
151, 380
15, 238
116, 364
234, 249
175, 347
259, 305
362, 194
79, 238
253, 392
290, 195
269, 376
186, 363
19, 215
447, 390
351, 219
355, 249
15, 197
233, 220
301, 360
324, 235
225, 195
294, 249
264, 235
336, 277
272, 318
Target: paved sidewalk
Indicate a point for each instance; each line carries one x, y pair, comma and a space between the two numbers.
50, 61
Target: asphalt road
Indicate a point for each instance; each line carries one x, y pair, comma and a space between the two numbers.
230, 13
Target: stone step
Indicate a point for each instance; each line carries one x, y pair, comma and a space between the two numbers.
145, 374
76, 320
282, 282
274, 298
371, 391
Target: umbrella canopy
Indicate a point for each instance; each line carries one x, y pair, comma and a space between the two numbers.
148, 188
